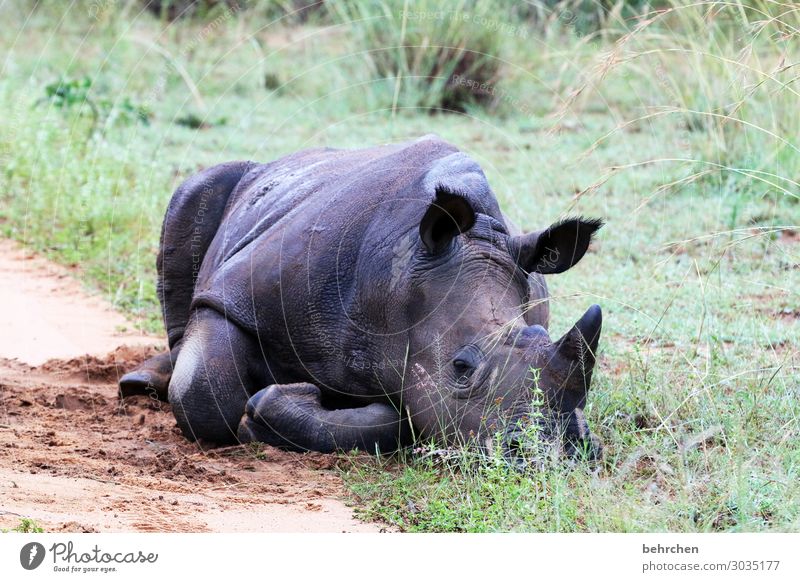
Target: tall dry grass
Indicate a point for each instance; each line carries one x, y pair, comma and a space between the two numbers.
725, 73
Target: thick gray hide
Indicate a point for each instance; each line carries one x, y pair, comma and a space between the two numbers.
335, 289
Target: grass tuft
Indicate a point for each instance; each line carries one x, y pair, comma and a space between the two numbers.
428, 55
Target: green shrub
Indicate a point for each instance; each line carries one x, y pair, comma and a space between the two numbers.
294, 11
76, 94
176, 9
26, 525
431, 55
583, 16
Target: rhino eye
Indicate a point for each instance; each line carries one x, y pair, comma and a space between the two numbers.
463, 369
464, 364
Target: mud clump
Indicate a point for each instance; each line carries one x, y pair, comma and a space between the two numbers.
108, 368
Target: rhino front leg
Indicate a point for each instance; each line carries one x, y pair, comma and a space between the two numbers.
212, 378
292, 416
151, 377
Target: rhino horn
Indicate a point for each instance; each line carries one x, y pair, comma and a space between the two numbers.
555, 249
579, 346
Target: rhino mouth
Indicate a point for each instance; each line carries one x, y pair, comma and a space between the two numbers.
557, 434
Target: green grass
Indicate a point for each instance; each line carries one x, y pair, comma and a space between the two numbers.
681, 131
26, 525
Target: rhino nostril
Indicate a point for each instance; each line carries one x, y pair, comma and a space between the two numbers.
535, 331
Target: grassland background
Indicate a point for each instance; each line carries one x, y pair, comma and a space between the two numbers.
679, 126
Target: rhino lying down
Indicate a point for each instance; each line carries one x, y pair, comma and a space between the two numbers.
335, 299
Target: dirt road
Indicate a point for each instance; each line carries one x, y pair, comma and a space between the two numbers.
75, 458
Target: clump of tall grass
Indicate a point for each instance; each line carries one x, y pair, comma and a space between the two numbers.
584, 16
726, 73
176, 9
432, 55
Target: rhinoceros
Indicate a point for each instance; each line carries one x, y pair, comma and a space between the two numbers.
338, 299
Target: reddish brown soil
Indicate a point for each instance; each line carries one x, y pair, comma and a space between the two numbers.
75, 458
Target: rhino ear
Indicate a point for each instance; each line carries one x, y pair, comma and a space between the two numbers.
557, 248
449, 215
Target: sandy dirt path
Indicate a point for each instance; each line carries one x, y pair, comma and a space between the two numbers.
46, 314
75, 458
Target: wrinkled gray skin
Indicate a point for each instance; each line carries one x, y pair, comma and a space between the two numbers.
336, 299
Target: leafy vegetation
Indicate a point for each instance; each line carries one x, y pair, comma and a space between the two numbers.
432, 55
26, 525
677, 125
76, 94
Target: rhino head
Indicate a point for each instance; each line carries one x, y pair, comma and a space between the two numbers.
477, 369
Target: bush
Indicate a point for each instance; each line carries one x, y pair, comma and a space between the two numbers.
584, 16
76, 95
294, 10
176, 9
431, 55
